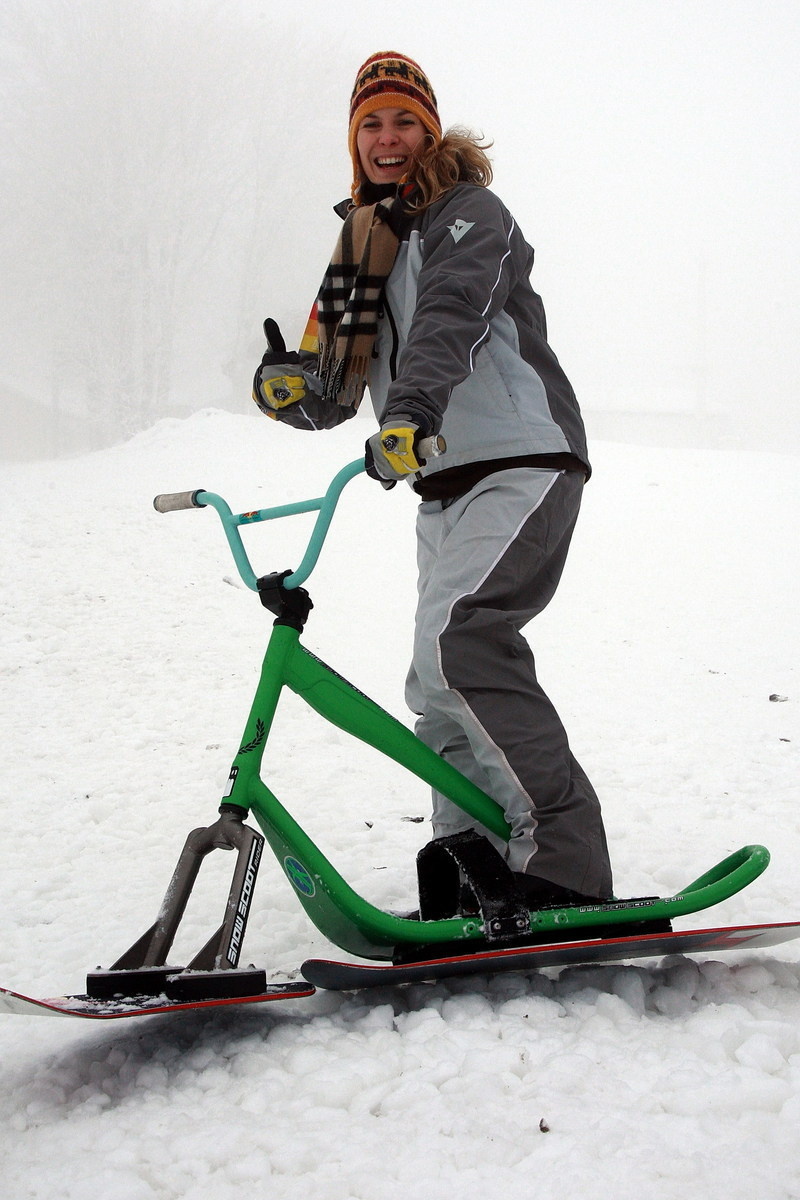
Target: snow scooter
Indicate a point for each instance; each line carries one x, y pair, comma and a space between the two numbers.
499, 932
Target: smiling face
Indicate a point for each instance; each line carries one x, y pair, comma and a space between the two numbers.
386, 140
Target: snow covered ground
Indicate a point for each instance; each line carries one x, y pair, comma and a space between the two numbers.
129, 651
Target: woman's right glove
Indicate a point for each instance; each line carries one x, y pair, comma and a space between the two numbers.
279, 380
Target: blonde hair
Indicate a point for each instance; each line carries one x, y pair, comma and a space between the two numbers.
459, 156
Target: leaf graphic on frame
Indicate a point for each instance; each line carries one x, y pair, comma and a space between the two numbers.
257, 740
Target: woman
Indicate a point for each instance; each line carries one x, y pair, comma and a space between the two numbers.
428, 300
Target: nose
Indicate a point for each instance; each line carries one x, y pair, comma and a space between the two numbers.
387, 136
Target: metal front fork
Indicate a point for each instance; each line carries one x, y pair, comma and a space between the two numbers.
143, 968
221, 952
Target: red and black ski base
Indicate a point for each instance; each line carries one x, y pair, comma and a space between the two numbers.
16, 1004
345, 976
350, 976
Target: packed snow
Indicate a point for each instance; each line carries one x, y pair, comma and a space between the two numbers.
130, 649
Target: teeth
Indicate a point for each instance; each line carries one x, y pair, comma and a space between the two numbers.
389, 162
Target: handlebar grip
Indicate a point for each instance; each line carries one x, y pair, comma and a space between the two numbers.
432, 447
172, 501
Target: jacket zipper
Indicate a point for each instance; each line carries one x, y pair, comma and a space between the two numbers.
387, 312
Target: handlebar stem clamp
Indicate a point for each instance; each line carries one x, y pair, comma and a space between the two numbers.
291, 606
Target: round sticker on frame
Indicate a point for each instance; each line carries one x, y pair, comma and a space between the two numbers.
299, 876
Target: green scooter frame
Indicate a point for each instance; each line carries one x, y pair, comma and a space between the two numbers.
341, 914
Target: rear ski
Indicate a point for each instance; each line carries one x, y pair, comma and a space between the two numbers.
345, 976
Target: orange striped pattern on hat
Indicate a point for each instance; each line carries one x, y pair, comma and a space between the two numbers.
390, 80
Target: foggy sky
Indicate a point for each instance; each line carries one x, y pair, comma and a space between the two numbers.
169, 170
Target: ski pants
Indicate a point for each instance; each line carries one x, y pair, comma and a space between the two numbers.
489, 562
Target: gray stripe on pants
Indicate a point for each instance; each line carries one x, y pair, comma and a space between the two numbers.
489, 563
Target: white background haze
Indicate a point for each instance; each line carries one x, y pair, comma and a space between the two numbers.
168, 169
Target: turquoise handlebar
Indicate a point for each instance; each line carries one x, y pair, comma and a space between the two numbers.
324, 505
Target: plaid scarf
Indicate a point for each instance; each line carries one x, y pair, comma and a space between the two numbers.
349, 300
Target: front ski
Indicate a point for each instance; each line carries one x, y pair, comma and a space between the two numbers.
345, 976
112, 1008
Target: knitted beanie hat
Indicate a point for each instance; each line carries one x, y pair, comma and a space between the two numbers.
389, 80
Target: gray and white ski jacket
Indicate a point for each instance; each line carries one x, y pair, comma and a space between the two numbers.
462, 342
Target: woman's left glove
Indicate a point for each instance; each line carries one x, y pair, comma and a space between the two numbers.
390, 454
279, 380
399, 449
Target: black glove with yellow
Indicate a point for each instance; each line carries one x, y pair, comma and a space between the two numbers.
279, 380
399, 449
